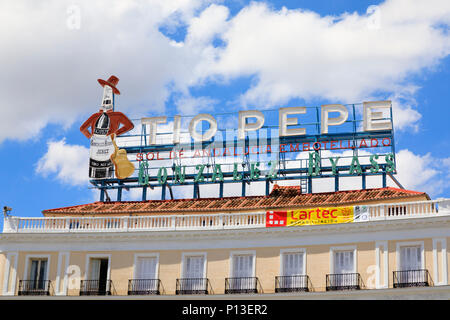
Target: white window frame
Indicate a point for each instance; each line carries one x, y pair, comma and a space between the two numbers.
292, 250
241, 253
184, 255
344, 248
410, 244
28, 258
90, 256
146, 255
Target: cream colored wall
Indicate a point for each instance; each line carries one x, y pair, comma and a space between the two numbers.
218, 265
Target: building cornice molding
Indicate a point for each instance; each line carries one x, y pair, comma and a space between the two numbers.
228, 238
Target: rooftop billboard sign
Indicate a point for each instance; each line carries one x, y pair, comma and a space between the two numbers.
249, 146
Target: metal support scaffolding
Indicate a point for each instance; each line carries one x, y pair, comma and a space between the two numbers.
286, 168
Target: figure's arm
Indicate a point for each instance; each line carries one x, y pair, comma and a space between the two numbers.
85, 126
127, 124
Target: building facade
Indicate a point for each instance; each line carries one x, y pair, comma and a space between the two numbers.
224, 248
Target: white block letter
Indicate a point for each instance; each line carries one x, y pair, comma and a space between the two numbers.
325, 121
209, 133
371, 121
153, 121
284, 121
176, 129
243, 126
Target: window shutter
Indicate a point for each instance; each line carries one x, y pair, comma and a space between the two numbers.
243, 266
410, 258
343, 262
146, 268
194, 267
293, 264
95, 269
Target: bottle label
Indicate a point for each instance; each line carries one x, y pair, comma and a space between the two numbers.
101, 147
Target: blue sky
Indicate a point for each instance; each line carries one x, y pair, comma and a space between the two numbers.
186, 57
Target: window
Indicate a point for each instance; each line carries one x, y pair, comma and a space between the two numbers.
145, 275
410, 265
98, 275
242, 273
410, 258
146, 267
242, 266
343, 266
292, 268
193, 277
292, 263
38, 273
194, 267
344, 262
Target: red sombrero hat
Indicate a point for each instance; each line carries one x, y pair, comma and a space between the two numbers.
112, 82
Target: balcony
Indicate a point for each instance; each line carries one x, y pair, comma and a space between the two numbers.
297, 283
193, 286
242, 285
35, 288
390, 211
343, 281
144, 286
96, 287
412, 278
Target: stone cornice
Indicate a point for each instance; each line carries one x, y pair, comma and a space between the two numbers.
355, 232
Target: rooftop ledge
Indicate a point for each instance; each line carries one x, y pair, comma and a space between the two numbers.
214, 221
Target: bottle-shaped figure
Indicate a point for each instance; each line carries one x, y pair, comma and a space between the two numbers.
104, 128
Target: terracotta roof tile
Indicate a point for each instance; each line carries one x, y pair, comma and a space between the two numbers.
150, 205
234, 203
250, 203
218, 203
267, 201
352, 196
336, 198
280, 197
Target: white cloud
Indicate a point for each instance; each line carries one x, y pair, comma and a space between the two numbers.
69, 163
300, 54
50, 69
192, 105
210, 23
404, 115
422, 172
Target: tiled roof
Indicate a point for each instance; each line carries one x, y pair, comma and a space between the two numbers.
280, 197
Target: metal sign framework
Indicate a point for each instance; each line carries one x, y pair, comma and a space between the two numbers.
287, 169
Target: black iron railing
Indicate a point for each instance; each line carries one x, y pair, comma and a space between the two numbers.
96, 287
242, 285
144, 286
292, 283
193, 286
34, 288
412, 278
343, 281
